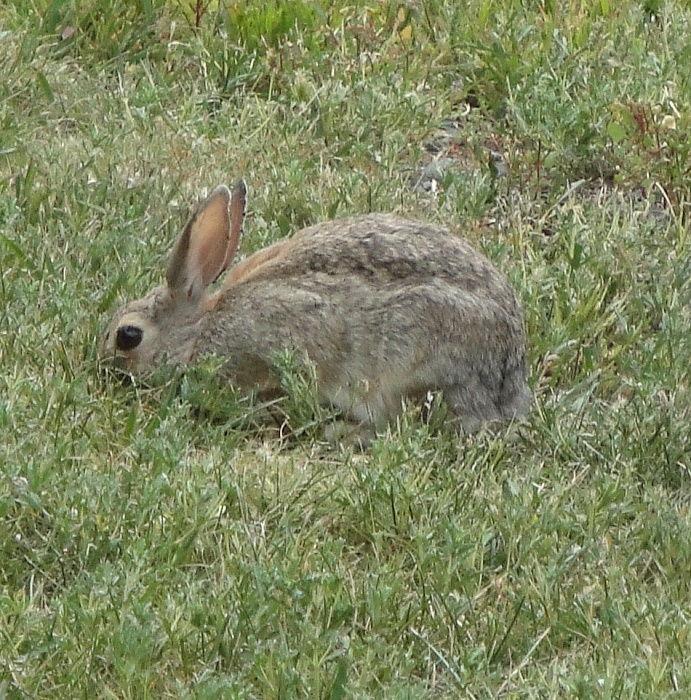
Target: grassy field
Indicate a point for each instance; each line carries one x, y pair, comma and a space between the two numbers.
149, 553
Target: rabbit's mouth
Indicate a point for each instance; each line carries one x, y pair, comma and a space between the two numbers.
116, 367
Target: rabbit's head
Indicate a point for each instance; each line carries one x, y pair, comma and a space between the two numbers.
163, 326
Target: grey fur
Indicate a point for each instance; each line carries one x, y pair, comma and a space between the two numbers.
386, 309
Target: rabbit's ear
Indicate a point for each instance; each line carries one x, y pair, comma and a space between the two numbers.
237, 217
200, 254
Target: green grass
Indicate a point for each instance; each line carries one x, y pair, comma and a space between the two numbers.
146, 552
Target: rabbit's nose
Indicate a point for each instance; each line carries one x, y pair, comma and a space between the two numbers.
128, 337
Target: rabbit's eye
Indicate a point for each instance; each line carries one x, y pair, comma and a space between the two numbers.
128, 337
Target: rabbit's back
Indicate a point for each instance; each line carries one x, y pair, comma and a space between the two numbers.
380, 247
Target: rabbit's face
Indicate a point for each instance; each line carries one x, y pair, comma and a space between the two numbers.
164, 325
148, 332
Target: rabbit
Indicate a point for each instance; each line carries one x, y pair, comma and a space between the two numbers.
385, 308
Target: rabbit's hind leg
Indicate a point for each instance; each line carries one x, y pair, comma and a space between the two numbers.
470, 407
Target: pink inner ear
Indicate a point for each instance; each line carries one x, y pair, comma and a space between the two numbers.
209, 248
201, 251
209, 242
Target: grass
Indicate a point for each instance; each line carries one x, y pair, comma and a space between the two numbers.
149, 553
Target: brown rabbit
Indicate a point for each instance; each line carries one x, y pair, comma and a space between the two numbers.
386, 309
